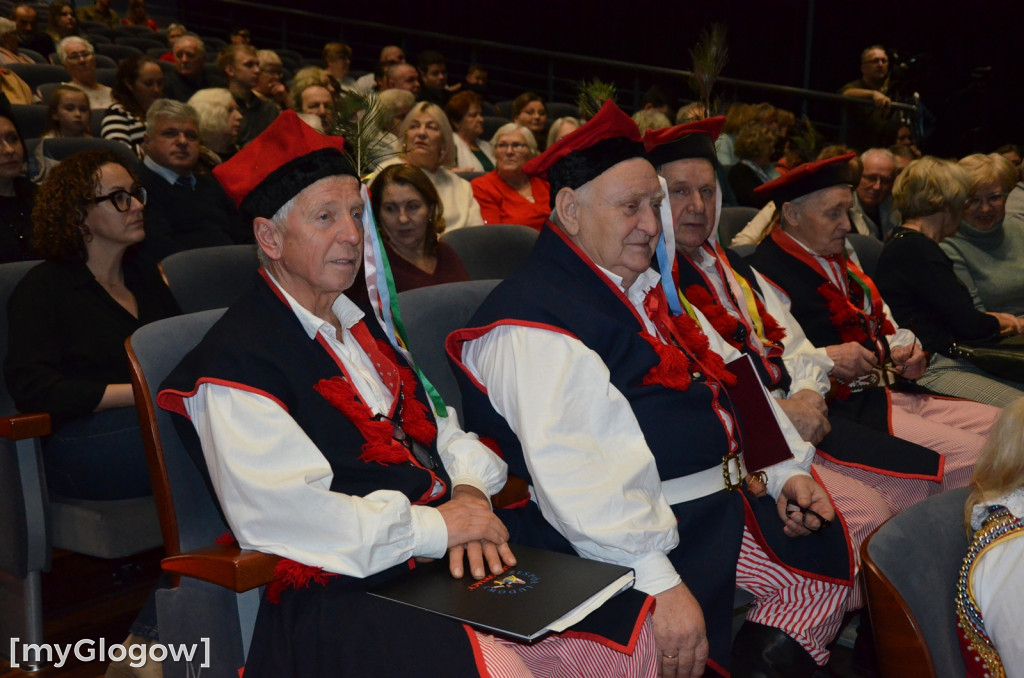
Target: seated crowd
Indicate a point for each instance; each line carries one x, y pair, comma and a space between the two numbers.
600, 372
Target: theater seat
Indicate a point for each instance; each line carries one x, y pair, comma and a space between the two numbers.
910, 571
492, 251
210, 277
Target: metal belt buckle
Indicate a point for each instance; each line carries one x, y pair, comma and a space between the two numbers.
731, 465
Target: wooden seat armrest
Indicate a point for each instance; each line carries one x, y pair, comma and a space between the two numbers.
22, 426
225, 565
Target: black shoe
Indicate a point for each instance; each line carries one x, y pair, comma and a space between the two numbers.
761, 651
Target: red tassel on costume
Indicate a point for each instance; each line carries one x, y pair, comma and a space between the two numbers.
492, 444
697, 342
388, 452
673, 367
226, 539
289, 574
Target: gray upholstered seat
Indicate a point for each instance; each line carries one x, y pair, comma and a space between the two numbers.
868, 249
210, 277
732, 221
492, 251
910, 566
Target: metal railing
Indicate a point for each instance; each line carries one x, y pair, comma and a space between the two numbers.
512, 69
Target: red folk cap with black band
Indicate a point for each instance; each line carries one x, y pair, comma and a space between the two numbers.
681, 142
604, 141
278, 164
808, 178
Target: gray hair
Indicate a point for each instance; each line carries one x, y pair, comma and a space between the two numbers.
200, 45
7, 27
211, 108
557, 125
512, 128
882, 151
280, 218
169, 109
391, 101
62, 46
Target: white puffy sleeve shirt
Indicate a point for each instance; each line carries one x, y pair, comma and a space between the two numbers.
273, 483
595, 479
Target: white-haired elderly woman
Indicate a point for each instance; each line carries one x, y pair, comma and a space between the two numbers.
918, 283
506, 195
427, 143
78, 58
9, 44
219, 122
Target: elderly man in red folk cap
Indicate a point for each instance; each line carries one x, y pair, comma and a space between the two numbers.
618, 415
871, 360
869, 473
320, 444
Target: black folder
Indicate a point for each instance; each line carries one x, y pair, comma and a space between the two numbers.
539, 594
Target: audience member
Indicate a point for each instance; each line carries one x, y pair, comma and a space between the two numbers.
507, 195
67, 114
337, 58
26, 17
476, 81
873, 125
872, 212
988, 250
389, 56
561, 127
846, 319
10, 43
241, 68
691, 112
17, 196
76, 55
402, 76
433, 72
394, 104
905, 139
989, 589
528, 110
650, 118
137, 16
219, 124
186, 209
427, 143
755, 145
902, 156
1012, 152
88, 213
657, 100
270, 84
101, 12
738, 115
189, 75
411, 217
372, 518
315, 100
240, 36
465, 113
923, 292
140, 82
62, 22
571, 333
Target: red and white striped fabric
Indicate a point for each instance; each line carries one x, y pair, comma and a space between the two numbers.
808, 610
559, 656
956, 429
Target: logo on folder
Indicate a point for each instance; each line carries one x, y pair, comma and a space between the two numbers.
512, 582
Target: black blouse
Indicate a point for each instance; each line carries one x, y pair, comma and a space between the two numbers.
16, 222
917, 280
66, 335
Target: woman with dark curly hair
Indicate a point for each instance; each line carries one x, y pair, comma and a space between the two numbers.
755, 146
140, 82
69, 317
411, 216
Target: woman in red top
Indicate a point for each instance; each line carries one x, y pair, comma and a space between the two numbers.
507, 195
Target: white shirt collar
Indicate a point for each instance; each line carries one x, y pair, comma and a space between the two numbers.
347, 313
637, 292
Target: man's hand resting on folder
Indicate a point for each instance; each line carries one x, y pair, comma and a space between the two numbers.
679, 634
808, 412
808, 494
474, 533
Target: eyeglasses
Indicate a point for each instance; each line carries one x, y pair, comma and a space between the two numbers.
122, 199
511, 146
78, 56
812, 520
993, 201
883, 179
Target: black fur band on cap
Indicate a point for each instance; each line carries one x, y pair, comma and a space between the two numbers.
292, 178
587, 164
684, 148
